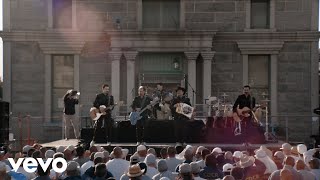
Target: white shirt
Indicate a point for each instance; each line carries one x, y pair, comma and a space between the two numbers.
151, 171
117, 167
86, 166
28, 175
172, 163
201, 163
307, 175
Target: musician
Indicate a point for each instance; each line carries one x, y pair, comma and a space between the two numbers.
105, 121
70, 99
140, 102
245, 100
179, 119
161, 109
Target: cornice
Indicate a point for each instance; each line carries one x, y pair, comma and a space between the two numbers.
260, 47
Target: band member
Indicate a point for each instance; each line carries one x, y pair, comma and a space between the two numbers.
105, 121
158, 110
245, 100
70, 99
179, 119
140, 102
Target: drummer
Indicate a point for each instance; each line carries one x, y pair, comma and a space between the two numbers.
165, 112
159, 93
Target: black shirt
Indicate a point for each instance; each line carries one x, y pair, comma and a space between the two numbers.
141, 102
176, 100
244, 101
103, 99
69, 105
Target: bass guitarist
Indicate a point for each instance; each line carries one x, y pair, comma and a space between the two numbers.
105, 121
140, 102
244, 106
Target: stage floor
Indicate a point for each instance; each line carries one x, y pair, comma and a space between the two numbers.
75, 142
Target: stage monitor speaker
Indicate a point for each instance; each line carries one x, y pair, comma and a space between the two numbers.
160, 131
4, 129
87, 135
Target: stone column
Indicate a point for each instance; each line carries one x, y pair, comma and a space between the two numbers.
207, 64
115, 77
130, 57
274, 87
6, 15
192, 57
245, 69
50, 14
7, 77
47, 88
182, 14
74, 14
139, 14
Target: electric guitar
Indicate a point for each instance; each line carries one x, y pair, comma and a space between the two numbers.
135, 116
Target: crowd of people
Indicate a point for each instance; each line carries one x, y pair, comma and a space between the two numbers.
96, 163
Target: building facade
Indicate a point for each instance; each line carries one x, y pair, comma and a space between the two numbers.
210, 47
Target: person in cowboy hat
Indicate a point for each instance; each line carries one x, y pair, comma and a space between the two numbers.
180, 120
250, 171
135, 172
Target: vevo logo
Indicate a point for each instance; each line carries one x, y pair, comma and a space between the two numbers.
30, 164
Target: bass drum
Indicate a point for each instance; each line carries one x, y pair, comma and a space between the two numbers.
229, 111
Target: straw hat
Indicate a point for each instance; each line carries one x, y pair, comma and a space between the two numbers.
246, 161
134, 171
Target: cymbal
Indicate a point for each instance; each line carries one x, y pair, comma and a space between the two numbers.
224, 95
264, 94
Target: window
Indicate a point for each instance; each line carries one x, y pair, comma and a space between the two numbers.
62, 80
163, 14
260, 14
259, 76
62, 14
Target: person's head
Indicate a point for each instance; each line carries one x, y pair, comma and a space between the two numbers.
278, 157
134, 160
142, 150
226, 169
72, 169
289, 161
117, 152
151, 160
314, 164
286, 174
236, 156
163, 153
100, 170
286, 149
179, 149
43, 151
162, 165
228, 155
228, 177
142, 91
171, 151
180, 91
68, 155
204, 153
159, 86
40, 171
211, 161
80, 151
195, 168
185, 171
152, 151
220, 159
300, 165
36, 154
246, 89
188, 155
105, 88
134, 171
237, 173
198, 152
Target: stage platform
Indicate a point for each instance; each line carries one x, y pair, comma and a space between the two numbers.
158, 146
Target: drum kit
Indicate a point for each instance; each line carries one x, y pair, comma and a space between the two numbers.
222, 112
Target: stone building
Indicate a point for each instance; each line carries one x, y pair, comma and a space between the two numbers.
214, 47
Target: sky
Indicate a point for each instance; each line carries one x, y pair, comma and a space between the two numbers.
1, 44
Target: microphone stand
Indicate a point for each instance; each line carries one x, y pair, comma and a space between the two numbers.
193, 92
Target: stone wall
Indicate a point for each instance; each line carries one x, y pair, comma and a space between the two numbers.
293, 15
227, 15
29, 15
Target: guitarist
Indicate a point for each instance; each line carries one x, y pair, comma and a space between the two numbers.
105, 121
141, 101
180, 121
245, 100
